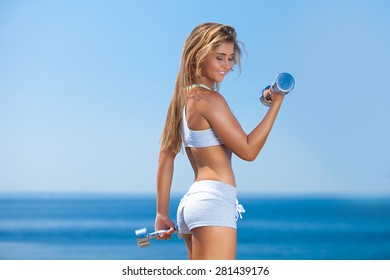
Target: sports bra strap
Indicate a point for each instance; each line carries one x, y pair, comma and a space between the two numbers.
198, 85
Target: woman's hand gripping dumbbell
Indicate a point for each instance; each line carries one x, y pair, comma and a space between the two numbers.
283, 84
143, 237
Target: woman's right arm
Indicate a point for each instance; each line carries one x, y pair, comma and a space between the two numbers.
246, 146
164, 182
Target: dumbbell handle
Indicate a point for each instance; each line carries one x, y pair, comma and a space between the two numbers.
158, 233
142, 231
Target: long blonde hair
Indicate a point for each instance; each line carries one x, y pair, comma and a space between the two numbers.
203, 40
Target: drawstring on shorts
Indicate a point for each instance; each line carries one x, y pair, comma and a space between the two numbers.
239, 209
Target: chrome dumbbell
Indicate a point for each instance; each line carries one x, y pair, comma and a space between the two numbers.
143, 237
283, 84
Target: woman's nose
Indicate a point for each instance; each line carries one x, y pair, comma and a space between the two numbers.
227, 64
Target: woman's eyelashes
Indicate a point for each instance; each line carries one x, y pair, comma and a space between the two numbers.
231, 59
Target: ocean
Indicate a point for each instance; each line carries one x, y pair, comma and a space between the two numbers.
101, 227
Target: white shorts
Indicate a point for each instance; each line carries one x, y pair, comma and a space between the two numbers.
208, 203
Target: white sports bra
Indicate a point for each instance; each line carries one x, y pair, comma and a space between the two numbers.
198, 138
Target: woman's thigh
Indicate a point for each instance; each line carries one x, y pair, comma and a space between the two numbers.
214, 243
188, 240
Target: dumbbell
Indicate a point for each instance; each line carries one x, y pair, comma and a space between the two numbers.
283, 84
143, 237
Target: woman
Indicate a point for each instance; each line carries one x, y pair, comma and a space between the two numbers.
200, 118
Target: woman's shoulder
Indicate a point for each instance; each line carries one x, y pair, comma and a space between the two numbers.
206, 96
214, 98
206, 100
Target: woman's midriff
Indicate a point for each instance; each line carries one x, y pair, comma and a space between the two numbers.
212, 163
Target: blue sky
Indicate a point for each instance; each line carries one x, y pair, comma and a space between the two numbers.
85, 86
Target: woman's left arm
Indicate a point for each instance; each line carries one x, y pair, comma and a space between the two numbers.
164, 181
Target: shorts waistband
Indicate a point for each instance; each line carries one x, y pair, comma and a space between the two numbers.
214, 188
211, 184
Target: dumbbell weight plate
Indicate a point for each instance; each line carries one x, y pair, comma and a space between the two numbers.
284, 83
142, 237
265, 100
141, 233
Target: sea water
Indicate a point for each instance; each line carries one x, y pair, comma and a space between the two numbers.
94, 227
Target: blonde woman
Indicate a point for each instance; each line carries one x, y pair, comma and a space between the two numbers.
199, 118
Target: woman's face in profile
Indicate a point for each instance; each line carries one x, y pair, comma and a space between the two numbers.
219, 63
